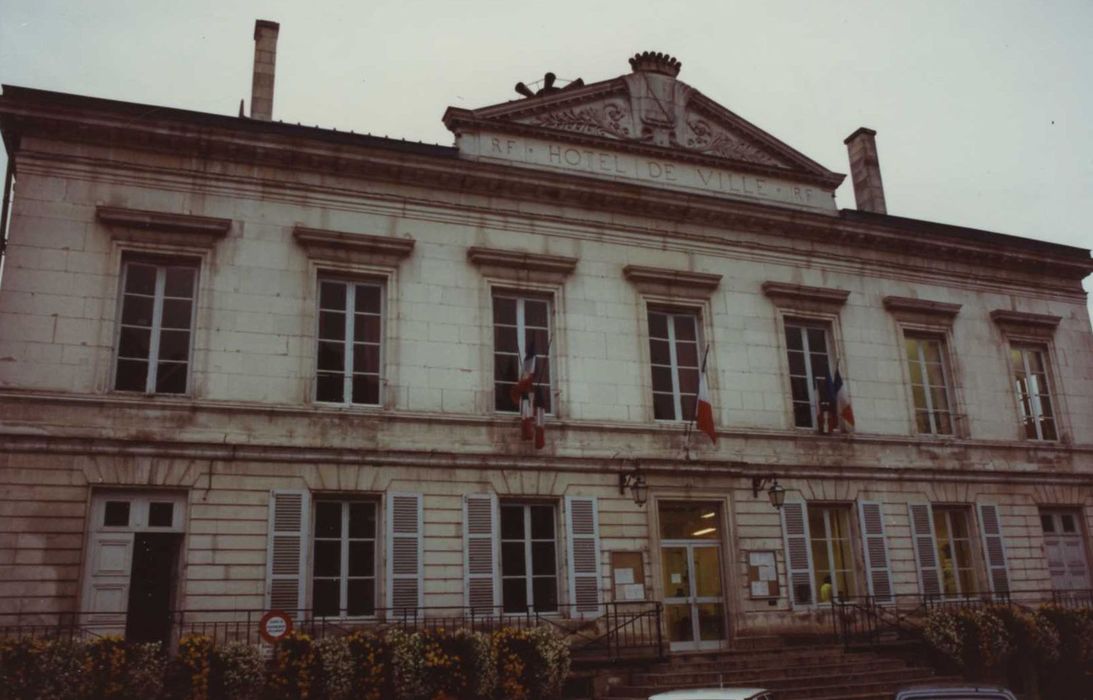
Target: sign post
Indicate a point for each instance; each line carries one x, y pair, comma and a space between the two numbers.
274, 626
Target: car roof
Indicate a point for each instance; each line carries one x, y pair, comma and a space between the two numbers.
709, 694
952, 691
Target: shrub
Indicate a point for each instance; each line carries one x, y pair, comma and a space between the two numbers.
531, 664
113, 670
372, 666
241, 671
295, 669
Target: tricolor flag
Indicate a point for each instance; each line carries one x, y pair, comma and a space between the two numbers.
843, 410
527, 417
522, 387
540, 419
703, 407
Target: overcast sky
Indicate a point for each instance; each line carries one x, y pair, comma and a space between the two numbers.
983, 110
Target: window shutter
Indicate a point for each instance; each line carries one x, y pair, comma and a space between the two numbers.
404, 552
993, 548
879, 575
798, 553
480, 537
286, 555
922, 535
583, 528
1074, 558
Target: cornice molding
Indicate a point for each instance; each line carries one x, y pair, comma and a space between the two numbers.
338, 246
672, 283
162, 227
521, 265
1025, 323
911, 310
800, 297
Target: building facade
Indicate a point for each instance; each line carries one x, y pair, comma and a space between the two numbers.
246, 365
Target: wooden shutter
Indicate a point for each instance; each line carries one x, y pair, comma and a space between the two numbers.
583, 528
925, 546
798, 553
404, 552
878, 571
480, 528
286, 555
993, 548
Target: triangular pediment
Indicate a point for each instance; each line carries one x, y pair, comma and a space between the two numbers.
650, 108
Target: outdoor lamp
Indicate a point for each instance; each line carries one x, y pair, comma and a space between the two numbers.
635, 481
776, 492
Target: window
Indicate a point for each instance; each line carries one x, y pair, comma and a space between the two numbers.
1030, 379
929, 384
154, 336
344, 573
806, 344
1064, 548
520, 324
350, 347
529, 560
954, 551
673, 352
832, 558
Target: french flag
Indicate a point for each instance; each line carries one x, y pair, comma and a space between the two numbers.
703, 407
522, 388
540, 419
843, 410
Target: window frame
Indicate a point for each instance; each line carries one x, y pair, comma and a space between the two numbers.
698, 314
528, 541
976, 566
160, 261
521, 296
947, 378
346, 501
351, 283
827, 325
854, 570
1024, 346
1080, 534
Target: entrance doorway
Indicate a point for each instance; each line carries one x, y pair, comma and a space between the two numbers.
691, 567
130, 581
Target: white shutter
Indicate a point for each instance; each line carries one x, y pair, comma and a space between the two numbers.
993, 548
925, 546
583, 530
798, 553
1073, 555
878, 572
286, 555
404, 552
480, 538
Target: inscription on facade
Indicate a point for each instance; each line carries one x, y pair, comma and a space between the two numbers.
614, 165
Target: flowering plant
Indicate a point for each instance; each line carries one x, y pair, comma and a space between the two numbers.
295, 669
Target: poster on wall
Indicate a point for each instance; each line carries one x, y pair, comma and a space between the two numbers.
762, 575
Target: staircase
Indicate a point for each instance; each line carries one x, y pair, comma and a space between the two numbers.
813, 672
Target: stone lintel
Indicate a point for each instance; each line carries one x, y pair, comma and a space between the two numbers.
514, 264
921, 310
1025, 323
160, 227
338, 246
805, 298
672, 283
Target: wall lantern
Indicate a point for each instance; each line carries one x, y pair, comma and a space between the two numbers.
635, 481
776, 492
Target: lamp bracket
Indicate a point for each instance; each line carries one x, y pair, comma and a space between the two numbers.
758, 483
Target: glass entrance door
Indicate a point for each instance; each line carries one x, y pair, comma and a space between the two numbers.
692, 596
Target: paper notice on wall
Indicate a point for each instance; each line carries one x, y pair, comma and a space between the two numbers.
765, 565
677, 578
633, 591
624, 576
760, 589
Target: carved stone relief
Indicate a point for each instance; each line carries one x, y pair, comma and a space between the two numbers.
610, 118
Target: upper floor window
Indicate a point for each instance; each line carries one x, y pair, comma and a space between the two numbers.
1030, 378
521, 329
344, 571
349, 354
156, 328
930, 387
674, 356
807, 346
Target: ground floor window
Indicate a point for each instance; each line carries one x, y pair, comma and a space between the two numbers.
832, 557
1064, 547
954, 551
344, 572
529, 558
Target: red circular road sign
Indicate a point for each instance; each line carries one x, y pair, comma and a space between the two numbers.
274, 625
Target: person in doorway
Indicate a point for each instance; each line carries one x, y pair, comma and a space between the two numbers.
825, 590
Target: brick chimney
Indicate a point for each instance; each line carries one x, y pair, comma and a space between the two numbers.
865, 171
265, 59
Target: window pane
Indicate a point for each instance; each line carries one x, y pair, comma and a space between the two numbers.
368, 299
931, 350
134, 342
1048, 523
324, 598
504, 311
328, 558
944, 423
174, 346
658, 325
543, 558
1047, 428
659, 352
504, 339
922, 422
545, 592
501, 399
328, 519
331, 357
132, 375
802, 415
362, 597
180, 282
331, 325
793, 338
116, 514
176, 313
685, 327
362, 558
512, 559
329, 387
506, 368
161, 514
512, 522
819, 365
1035, 361
919, 396
688, 381
797, 363
514, 594
140, 279
687, 404
687, 354
367, 328
817, 340
137, 311
1068, 523
366, 358
940, 398
366, 389
542, 522
535, 313
664, 407
799, 388
332, 295
935, 375
171, 378
362, 520
662, 378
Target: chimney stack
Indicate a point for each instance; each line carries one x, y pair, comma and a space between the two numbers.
865, 171
265, 59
